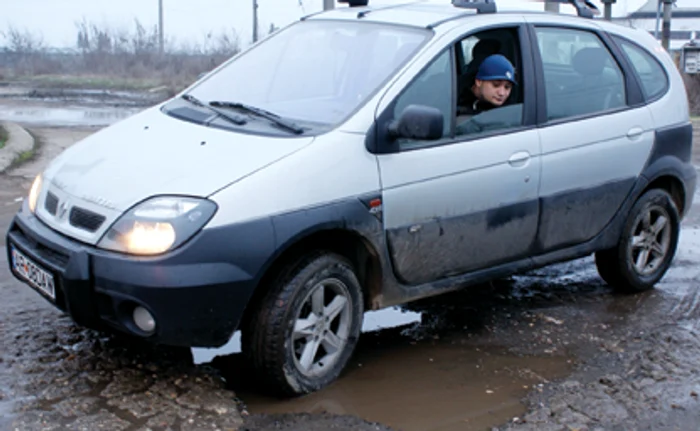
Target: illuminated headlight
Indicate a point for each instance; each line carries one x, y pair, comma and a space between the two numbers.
158, 225
34, 193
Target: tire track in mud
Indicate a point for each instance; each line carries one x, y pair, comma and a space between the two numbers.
682, 281
688, 304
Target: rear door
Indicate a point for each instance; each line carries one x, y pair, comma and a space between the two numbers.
595, 134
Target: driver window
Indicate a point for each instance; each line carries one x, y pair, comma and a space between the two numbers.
490, 92
433, 87
494, 103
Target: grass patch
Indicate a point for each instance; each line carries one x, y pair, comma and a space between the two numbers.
23, 157
3, 137
28, 155
113, 59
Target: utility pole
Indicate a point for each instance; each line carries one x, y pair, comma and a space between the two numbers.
551, 6
328, 4
161, 36
658, 20
255, 21
608, 8
666, 26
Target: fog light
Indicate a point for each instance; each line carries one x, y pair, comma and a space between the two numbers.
144, 320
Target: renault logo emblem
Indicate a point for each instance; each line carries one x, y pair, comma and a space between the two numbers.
62, 210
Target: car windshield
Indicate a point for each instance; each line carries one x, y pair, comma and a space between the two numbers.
314, 71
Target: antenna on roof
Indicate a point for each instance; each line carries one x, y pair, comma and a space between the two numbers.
481, 6
584, 8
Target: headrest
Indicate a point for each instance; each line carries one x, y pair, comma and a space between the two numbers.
484, 48
590, 61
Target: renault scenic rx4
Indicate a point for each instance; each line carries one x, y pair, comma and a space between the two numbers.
328, 170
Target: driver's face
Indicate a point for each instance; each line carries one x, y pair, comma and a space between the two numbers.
495, 92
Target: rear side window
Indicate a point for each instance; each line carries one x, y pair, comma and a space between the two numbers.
651, 73
581, 77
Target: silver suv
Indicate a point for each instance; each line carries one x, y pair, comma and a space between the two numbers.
349, 163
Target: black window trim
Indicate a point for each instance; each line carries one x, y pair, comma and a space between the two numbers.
633, 92
633, 86
376, 141
617, 40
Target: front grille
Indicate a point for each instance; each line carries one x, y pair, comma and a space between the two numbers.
54, 257
51, 203
85, 219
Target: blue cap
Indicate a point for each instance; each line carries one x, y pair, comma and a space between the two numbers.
496, 67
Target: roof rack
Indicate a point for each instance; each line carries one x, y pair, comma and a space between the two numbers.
351, 3
355, 3
481, 6
584, 8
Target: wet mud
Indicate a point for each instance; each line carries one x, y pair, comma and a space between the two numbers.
553, 349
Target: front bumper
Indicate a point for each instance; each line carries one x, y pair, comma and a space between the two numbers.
196, 297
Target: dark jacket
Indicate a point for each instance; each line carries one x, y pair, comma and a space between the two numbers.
473, 106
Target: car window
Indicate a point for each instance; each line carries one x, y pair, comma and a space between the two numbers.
315, 72
581, 76
432, 87
652, 75
475, 48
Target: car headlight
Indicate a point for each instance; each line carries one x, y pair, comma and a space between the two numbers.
34, 193
158, 225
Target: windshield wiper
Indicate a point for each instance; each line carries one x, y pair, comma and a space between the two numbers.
261, 113
232, 118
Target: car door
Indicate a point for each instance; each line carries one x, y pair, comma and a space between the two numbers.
595, 135
465, 201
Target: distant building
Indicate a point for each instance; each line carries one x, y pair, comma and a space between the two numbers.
685, 21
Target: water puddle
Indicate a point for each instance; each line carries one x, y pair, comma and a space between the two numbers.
65, 115
6, 414
426, 386
373, 320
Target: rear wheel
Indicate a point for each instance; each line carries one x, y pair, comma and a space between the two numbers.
307, 326
647, 245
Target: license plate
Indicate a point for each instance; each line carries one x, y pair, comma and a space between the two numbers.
35, 275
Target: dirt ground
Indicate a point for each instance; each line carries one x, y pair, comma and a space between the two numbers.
553, 349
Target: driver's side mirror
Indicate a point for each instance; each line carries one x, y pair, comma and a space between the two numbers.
418, 122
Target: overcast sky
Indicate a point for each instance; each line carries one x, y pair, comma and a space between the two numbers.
185, 20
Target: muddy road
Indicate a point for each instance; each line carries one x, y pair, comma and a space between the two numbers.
552, 349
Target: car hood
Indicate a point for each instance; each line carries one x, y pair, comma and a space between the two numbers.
152, 153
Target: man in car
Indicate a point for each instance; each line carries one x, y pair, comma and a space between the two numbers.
492, 86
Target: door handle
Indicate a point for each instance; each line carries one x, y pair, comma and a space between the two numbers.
519, 159
635, 132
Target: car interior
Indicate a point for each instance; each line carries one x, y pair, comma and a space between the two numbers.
475, 48
471, 51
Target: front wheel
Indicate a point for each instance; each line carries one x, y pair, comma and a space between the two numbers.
647, 245
307, 326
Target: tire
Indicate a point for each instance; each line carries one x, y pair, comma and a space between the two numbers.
647, 246
324, 284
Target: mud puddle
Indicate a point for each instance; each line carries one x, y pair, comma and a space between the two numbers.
445, 385
83, 96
